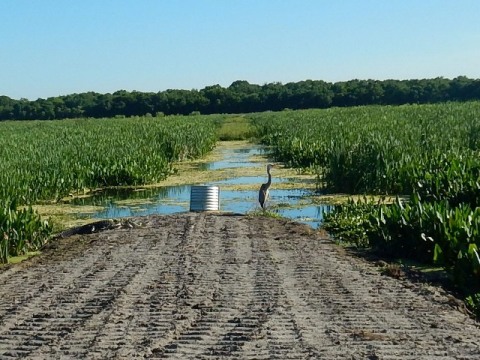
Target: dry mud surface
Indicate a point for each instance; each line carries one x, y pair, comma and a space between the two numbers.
205, 286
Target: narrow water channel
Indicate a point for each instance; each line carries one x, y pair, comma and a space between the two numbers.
238, 193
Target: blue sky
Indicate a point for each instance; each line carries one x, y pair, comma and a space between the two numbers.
59, 47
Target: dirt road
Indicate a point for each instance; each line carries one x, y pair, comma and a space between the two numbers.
204, 286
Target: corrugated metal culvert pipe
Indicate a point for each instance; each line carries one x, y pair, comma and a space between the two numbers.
204, 198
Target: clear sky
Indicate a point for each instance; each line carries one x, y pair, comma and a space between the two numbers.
58, 47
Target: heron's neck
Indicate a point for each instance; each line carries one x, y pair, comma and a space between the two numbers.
269, 177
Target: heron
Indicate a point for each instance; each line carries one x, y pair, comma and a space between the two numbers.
263, 193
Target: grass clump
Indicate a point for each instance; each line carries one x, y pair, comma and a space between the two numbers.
266, 213
235, 128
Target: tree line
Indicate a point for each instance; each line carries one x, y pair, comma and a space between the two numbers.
243, 97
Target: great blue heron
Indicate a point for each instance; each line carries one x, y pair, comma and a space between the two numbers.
263, 193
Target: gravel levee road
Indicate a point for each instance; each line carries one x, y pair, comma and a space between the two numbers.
212, 286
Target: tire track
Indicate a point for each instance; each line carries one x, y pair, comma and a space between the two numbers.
224, 265
191, 291
39, 285
116, 329
70, 309
362, 313
275, 334
199, 285
255, 314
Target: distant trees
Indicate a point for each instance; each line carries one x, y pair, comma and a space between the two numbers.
243, 97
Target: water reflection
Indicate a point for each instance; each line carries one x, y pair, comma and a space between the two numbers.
248, 180
312, 215
236, 158
291, 203
244, 201
110, 196
113, 211
176, 199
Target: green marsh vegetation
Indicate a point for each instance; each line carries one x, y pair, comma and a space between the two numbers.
45, 161
234, 128
427, 155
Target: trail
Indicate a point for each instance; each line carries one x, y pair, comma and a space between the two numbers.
206, 286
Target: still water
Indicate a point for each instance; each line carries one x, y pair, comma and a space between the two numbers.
174, 199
